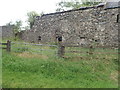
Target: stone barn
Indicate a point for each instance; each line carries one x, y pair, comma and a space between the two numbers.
83, 26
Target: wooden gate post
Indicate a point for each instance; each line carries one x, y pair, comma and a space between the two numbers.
8, 46
91, 50
61, 49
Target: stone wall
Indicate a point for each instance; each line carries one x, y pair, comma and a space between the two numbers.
82, 26
6, 32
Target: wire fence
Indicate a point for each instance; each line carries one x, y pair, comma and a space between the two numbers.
64, 50
34, 48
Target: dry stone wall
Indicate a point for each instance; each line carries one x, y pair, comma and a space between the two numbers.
6, 32
85, 26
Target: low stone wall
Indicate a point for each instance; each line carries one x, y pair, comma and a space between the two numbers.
85, 26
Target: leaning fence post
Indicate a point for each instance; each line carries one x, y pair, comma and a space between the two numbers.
8, 46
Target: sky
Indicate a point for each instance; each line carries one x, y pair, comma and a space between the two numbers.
12, 10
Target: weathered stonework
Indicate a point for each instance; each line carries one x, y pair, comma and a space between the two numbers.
6, 32
82, 26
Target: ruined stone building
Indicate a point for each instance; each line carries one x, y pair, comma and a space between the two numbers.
83, 26
6, 32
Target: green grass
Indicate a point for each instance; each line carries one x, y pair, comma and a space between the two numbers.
0, 68
43, 69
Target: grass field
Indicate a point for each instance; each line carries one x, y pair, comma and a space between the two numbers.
27, 68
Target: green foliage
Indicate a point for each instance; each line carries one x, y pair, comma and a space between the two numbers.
74, 4
16, 26
31, 18
91, 2
64, 5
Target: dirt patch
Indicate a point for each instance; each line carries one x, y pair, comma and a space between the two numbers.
78, 58
30, 55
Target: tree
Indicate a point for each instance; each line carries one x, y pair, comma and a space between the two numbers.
9, 24
74, 4
31, 18
91, 2
16, 26
63, 5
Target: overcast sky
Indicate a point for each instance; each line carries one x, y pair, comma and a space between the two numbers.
12, 10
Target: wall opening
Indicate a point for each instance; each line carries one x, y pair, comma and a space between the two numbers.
59, 38
82, 37
96, 40
39, 38
117, 18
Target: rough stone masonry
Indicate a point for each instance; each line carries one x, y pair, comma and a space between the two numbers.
84, 26
6, 32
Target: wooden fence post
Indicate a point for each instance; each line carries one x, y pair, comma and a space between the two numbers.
91, 50
8, 46
61, 49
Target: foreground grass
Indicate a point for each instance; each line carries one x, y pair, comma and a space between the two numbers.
32, 70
